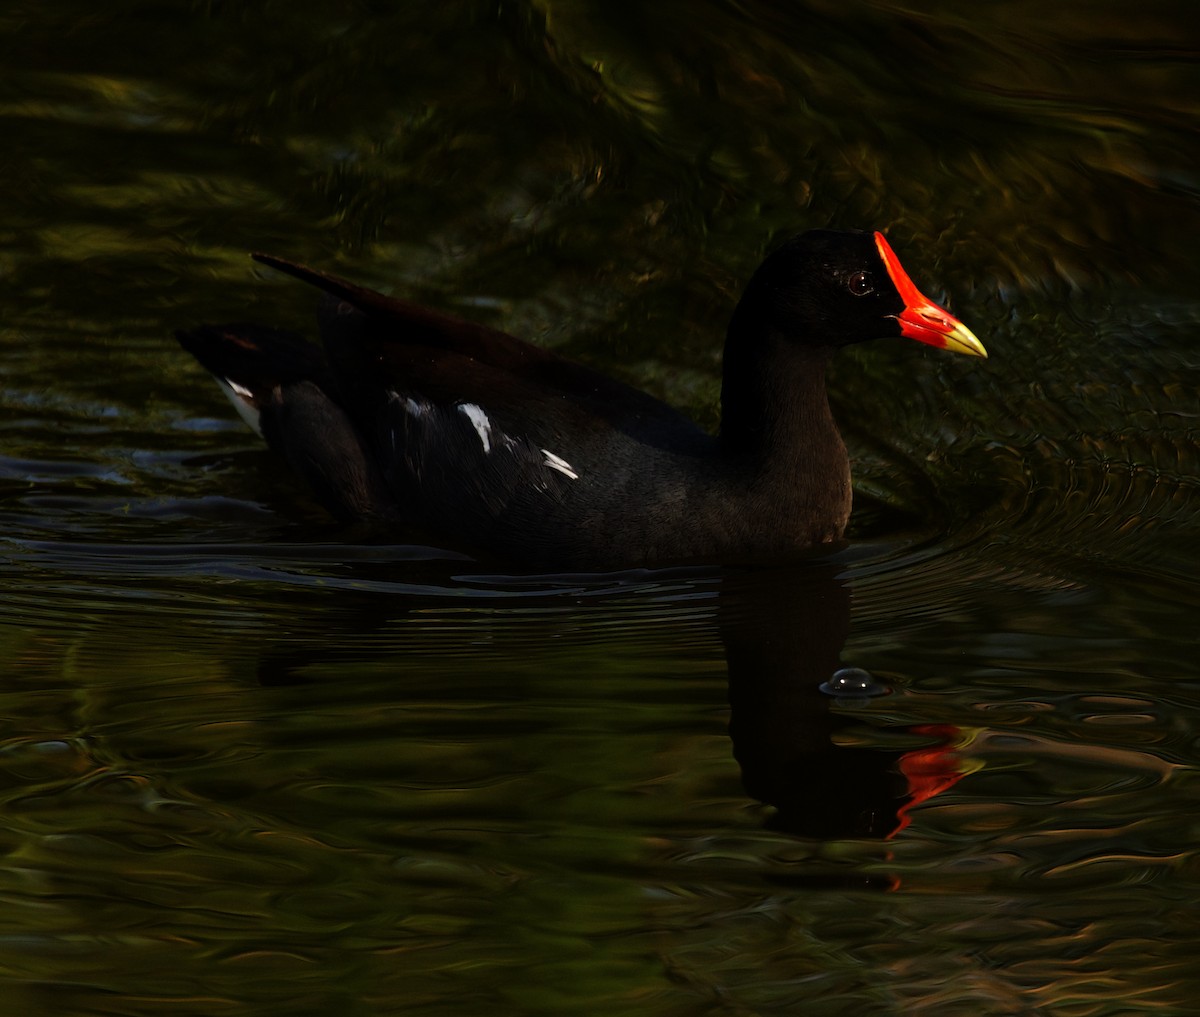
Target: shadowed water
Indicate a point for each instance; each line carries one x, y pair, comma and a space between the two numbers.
252, 764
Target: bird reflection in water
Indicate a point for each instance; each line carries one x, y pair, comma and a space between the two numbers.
793, 709
797, 716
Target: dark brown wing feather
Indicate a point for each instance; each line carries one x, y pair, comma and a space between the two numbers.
449, 356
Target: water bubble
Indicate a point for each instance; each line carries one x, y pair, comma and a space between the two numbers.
854, 683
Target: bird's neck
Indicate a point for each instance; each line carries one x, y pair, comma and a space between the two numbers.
777, 426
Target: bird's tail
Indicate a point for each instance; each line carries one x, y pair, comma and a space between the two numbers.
282, 387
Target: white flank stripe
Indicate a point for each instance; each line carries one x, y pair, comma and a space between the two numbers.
483, 426
560, 464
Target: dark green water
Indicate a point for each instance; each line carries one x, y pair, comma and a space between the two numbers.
251, 766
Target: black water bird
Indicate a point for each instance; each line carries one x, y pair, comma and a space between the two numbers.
427, 424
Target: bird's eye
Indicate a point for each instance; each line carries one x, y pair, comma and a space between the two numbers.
860, 284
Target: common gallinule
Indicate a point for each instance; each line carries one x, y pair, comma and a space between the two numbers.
439, 427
